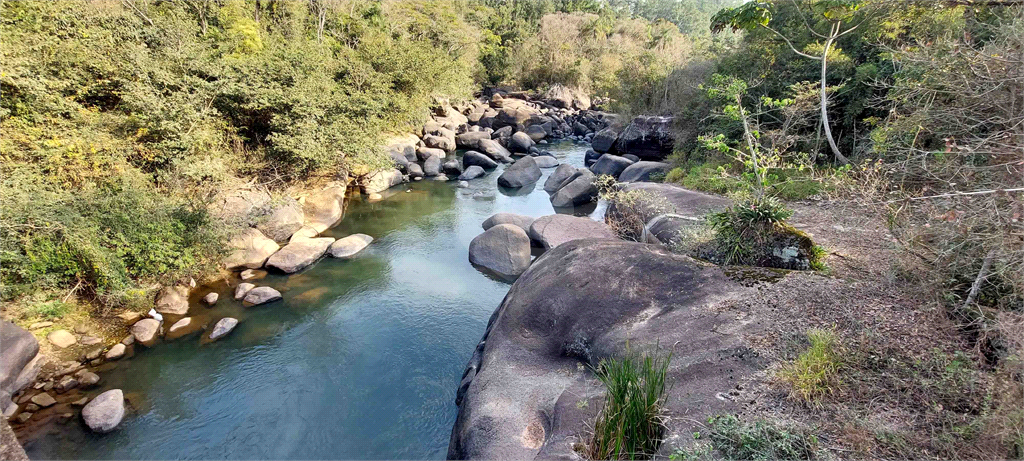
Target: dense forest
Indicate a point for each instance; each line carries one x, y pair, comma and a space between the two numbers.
121, 119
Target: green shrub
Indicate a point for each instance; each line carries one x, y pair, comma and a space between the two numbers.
754, 232
630, 425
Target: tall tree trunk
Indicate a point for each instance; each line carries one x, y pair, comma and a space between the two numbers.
824, 98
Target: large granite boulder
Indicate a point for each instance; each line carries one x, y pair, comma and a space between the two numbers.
383, 180
520, 143
347, 247
250, 250
299, 254
555, 180
641, 171
172, 300
471, 139
648, 137
452, 167
611, 165
545, 161
474, 158
146, 331
104, 412
519, 220
402, 146
495, 151
432, 166
563, 97
440, 142
19, 349
286, 218
529, 390
604, 141
577, 190
553, 230
325, 207
472, 172
223, 327
536, 132
237, 202
503, 249
522, 173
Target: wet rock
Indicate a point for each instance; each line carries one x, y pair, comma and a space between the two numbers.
577, 190
211, 298
611, 165
242, 289
19, 350
523, 222
470, 140
299, 254
473, 158
88, 380
463, 184
173, 300
223, 327
146, 331
261, 295
440, 142
415, 171
563, 172
520, 142
105, 412
65, 384
80, 402
249, 250
432, 167
642, 171
23, 416
503, 249
254, 274
31, 407
116, 352
347, 247
521, 173
61, 338
425, 153
128, 340
43, 399
94, 354
179, 328
472, 172
536, 133
452, 167
553, 230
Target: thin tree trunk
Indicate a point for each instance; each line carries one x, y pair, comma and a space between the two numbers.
824, 99
750, 145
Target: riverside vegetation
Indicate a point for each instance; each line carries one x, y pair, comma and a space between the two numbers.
120, 121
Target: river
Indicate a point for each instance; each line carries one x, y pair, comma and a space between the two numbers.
361, 360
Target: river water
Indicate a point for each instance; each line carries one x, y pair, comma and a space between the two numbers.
361, 360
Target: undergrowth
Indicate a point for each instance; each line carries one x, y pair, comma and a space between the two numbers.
728, 437
815, 372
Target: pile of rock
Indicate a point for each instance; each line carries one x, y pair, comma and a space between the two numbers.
647, 137
496, 128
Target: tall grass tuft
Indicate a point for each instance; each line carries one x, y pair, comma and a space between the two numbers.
814, 374
630, 426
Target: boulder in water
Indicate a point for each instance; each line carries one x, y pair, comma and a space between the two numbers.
642, 171
563, 172
347, 247
474, 158
522, 221
146, 331
648, 137
522, 173
242, 289
472, 172
553, 230
299, 254
503, 249
261, 295
250, 250
611, 165
103, 413
577, 190
223, 327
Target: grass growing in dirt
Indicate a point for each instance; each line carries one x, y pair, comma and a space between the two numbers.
630, 425
754, 232
729, 438
815, 372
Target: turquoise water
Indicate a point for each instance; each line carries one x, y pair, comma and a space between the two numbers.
361, 359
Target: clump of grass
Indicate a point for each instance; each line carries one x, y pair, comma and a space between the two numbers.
760, 440
815, 372
630, 426
754, 232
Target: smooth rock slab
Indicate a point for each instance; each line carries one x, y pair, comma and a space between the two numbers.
146, 331
61, 338
642, 171
261, 295
503, 249
553, 230
43, 400
104, 412
348, 247
299, 254
473, 158
223, 327
577, 190
555, 180
179, 328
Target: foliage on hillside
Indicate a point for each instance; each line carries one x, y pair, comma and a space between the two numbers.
118, 118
